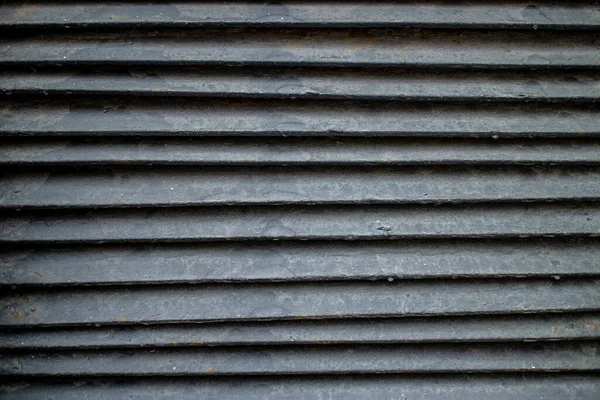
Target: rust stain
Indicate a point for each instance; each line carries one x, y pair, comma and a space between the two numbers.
123, 319
357, 41
26, 299
197, 341
360, 43
356, 46
592, 324
558, 331
580, 131
210, 371
16, 314
115, 17
26, 10
296, 44
33, 309
40, 275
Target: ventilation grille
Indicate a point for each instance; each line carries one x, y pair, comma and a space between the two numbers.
308, 199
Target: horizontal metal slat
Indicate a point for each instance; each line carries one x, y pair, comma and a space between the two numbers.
311, 360
226, 302
184, 186
339, 387
302, 223
307, 47
297, 261
533, 15
527, 328
293, 151
195, 117
306, 83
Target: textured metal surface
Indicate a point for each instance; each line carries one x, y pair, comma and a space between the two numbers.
298, 261
311, 359
342, 387
301, 300
216, 117
381, 84
454, 387
305, 199
479, 14
294, 151
327, 47
184, 186
539, 327
481, 328
302, 223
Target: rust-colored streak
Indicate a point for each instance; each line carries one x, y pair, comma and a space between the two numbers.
40, 275
26, 10
558, 331
360, 43
296, 44
592, 324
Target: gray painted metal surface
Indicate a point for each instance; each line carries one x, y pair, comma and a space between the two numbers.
327, 47
305, 199
301, 300
218, 117
294, 151
433, 358
342, 387
481, 328
298, 261
501, 220
185, 186
480, 14
321, 83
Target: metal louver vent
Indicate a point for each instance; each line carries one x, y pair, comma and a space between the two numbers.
305, 199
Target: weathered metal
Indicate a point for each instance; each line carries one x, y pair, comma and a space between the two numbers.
305, 199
